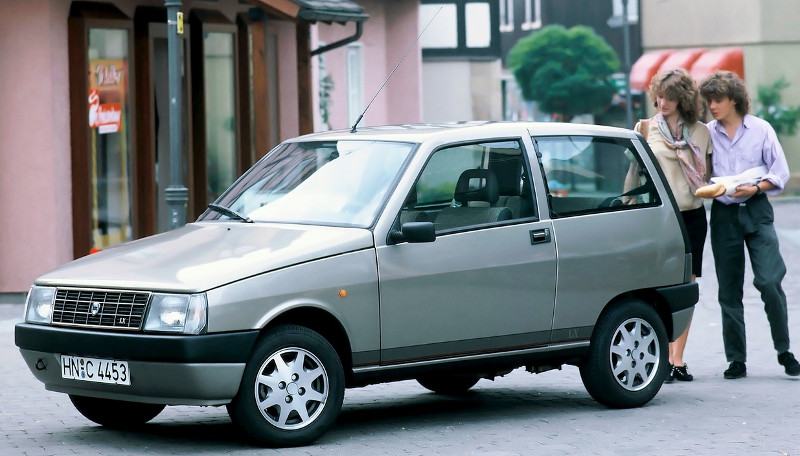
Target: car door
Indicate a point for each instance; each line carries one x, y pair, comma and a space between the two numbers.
613, 231
485, 284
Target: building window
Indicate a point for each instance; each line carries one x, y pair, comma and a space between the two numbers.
273, 90
355, 82
110, 137
460, 28
506, 15
220, 112
533, 15
443, 32
478, 25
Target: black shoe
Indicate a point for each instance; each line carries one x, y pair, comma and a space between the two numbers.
792, 367
670, 377
737, 369
682, 373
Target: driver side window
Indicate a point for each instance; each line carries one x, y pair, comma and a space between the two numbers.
472, 185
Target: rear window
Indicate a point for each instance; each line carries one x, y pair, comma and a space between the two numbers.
586, 174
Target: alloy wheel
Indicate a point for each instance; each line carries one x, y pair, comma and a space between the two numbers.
634, 354
291, 388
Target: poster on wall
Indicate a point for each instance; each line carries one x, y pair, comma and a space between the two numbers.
107, 80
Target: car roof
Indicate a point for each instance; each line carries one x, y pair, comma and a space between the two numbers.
465, 130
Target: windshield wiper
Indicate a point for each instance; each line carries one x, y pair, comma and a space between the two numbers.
230, 212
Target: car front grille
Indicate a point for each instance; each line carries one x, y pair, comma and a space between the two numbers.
100, 308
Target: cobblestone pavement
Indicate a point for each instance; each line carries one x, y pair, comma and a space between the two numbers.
520, 414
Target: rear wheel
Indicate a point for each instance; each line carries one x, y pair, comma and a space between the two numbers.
628, 356
115, 414
448, 384
292, 388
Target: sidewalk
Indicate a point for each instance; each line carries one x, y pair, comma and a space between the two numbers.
12, 298
12, 311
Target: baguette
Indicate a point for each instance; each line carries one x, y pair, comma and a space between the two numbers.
711, 191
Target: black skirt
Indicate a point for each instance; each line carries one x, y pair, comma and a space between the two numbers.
697, 228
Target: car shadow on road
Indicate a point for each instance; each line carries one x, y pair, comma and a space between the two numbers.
364, 416
487, 401
189, 429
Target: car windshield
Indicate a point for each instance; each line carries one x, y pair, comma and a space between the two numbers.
317, 182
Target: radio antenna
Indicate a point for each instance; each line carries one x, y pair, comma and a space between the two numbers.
353, 130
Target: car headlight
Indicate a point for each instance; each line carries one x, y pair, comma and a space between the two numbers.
39, 304
185, 314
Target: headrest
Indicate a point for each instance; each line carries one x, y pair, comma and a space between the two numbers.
477, 185
508, 169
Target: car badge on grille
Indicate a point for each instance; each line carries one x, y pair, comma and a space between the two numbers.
95, 309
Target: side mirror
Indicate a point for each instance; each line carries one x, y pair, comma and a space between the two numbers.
414, 232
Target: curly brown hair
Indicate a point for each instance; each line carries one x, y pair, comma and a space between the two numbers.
677, 85
721, 84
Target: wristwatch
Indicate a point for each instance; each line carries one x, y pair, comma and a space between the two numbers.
758, 190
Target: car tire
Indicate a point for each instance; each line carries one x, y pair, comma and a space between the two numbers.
292, 388
628, 356
448, 384
115, 414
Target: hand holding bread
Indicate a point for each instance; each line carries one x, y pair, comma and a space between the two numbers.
726, 185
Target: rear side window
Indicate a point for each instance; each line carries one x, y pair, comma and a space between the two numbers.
586, 174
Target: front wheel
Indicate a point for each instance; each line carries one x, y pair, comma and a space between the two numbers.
292, 388
628, 356
115, 414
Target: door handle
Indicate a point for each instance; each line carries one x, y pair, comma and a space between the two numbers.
540, 236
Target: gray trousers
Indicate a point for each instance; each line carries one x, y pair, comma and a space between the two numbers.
748, 224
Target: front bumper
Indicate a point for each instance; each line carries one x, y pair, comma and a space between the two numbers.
165, 369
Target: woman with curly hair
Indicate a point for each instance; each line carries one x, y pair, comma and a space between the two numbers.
682, 146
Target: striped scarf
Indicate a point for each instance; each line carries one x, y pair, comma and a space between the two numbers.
689, 155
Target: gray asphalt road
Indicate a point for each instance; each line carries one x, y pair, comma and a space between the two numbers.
520, 414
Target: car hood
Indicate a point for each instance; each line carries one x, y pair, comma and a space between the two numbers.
202, 256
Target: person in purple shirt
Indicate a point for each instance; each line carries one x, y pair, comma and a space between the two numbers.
745, 218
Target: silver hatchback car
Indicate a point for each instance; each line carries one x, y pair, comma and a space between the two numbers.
442, 253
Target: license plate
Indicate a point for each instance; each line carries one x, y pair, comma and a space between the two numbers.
95, 370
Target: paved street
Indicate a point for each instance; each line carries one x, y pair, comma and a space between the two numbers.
520, 414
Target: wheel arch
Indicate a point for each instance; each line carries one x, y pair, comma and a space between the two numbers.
322, 322
651, 297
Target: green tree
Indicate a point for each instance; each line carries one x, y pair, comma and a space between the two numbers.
565, 70
325, 88
783, 118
